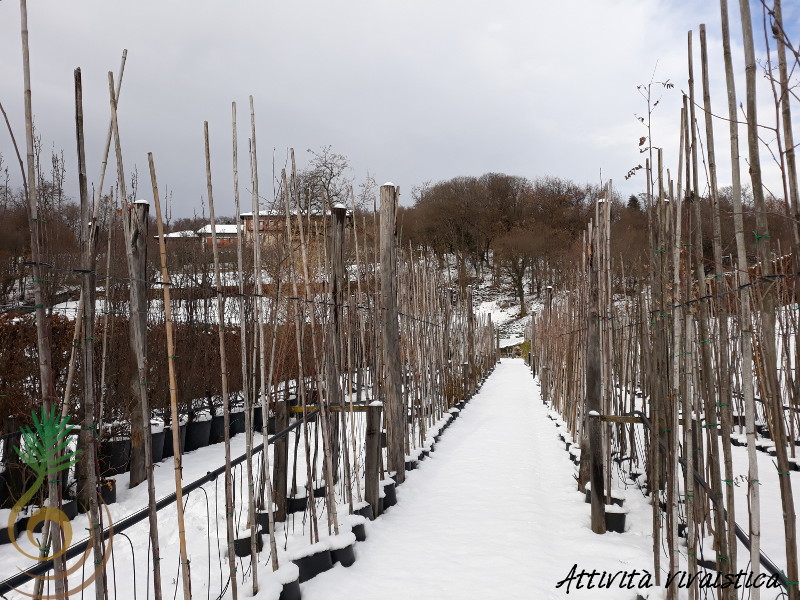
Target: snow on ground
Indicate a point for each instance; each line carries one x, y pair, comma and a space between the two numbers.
493, 514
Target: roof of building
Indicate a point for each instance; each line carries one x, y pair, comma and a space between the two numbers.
181, 234
220, 229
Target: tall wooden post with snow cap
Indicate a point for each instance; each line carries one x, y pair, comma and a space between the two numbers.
393, 396
593, 380
334, 363
545, 384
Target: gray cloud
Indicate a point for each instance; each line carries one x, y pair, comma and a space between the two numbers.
410, 91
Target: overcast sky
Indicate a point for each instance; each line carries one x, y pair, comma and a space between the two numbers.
410, 91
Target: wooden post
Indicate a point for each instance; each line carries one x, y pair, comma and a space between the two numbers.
593, 387
136, 252
89, 431
393, 401
372, 459
334, 358
281, 458
173, 388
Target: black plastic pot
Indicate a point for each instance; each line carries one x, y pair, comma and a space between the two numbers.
168, 449
366, 511
258, 422
114, 457
294, 505
321, 491
197, 435
615, 522
346, 556
614, 501
237, 423
241, 546
157, 446
4, 536
262, 519
70, 509
390, 497
360, 531
411, 465
291, 591
313, 565
108, 491
217, 434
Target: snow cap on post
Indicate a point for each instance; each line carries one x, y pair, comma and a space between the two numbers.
142, 201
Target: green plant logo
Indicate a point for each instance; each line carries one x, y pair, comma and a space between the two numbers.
45, 449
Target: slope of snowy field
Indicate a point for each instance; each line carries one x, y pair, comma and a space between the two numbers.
493, 514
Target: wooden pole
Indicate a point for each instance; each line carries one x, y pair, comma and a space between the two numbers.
593, 385
173, 388
226, 409
88, 295
393, 401
372, 458
772, 400
43, 342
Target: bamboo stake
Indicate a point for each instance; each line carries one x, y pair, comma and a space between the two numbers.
173, 388
772, 396
226, 411
43, 342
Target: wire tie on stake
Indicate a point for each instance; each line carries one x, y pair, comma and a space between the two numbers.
759, 237
728, 481
786, 579
724, 404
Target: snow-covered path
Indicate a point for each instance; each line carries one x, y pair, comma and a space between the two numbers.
493, 514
